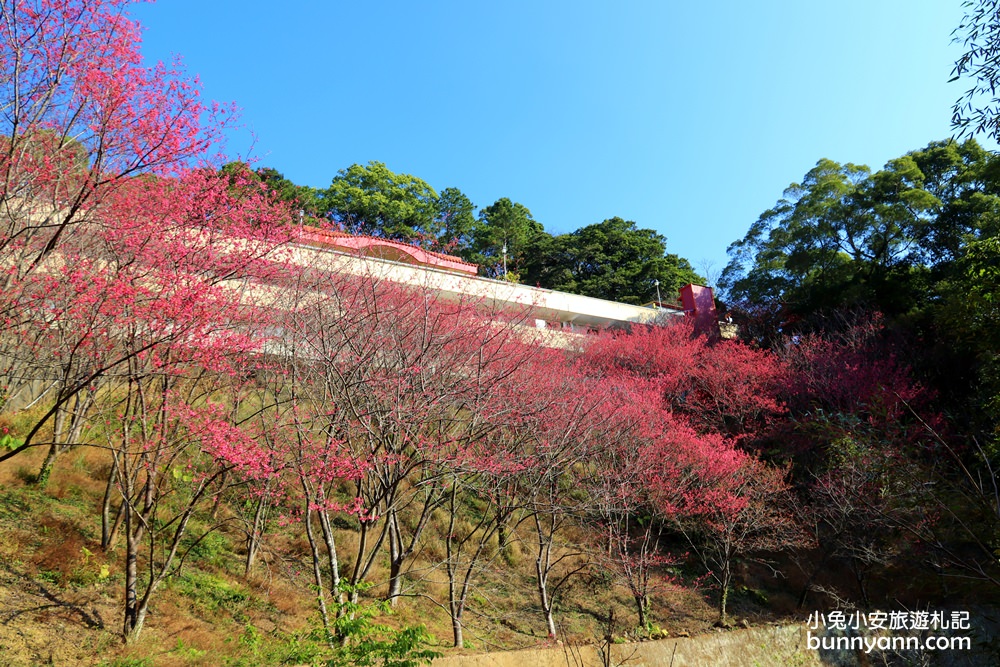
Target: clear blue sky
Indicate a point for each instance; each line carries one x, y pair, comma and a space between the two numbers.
690, 120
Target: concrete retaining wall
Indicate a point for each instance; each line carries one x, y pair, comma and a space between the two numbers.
762, 647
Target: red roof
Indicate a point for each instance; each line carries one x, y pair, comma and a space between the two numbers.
381, 248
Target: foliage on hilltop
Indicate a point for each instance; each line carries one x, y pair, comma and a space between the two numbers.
614, 259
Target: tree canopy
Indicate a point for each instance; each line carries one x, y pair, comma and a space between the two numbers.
845, 236
373, 200
506, 227
457, 222
915, 241
614, 260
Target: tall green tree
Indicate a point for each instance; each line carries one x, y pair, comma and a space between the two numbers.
965, 177
506, 225
969, 313
246, 181
842, 237
615, 260
301, 197
371, 199
457, 223
916, 240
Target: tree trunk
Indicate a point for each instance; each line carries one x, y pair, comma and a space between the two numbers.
214, 514
395, 580
543, 598
456, 628
142, 611
116, 526
318, 576
61, 439
642, 604
256, 534
107, 532
400, 552
133, 535
333, 560
726, 580
550, 621
455, 605
542, 563
395, 559
42, 479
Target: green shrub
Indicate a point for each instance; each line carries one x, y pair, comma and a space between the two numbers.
209, 592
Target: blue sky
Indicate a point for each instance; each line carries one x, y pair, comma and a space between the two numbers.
690, 120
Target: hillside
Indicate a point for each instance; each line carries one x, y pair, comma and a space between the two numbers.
60, 593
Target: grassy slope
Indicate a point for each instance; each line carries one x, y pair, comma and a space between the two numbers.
60, 594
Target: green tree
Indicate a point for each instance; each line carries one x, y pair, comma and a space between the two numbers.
301, 197
916, 240
505, 224
364, 641
457, 222
970, 314
376, 201
615, 260
842, 237
965, 177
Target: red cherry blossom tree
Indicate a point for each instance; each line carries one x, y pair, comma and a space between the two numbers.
517, 467
718, 387
173, 251
744, 511
650, 474
182, 335
81, 115
678, 465
569, 431
92, 145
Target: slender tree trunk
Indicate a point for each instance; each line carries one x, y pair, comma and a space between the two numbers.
106, 531
142, 610
256, 533
133, 538
318, 574
400, 552
63, 438
455, 605
642, 605
356, 574
543, 595
395, 581
503, 536
42, 479
725, 582
395, 559
456, 624
334, 561
116, 526
136, 612
458, 591
542, 567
